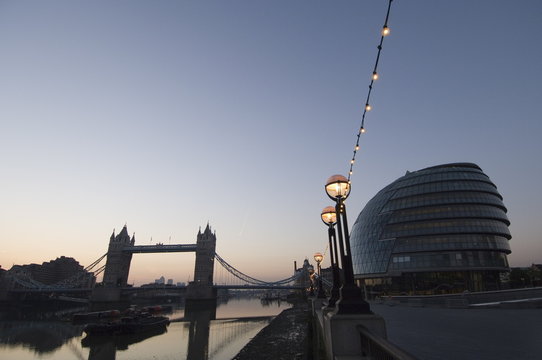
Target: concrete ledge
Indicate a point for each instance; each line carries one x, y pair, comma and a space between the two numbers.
342, 339
457, 303
415, 303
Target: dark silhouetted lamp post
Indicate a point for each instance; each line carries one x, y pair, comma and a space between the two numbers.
318, 257
311, 280
351, 301
329, 217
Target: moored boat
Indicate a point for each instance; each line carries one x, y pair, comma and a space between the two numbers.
127, 325
96, 315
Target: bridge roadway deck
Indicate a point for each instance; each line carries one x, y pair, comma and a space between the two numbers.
467, 334
160, 248
259, 287
227, 287
150, 288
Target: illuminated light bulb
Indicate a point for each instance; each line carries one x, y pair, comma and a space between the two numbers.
375, 75
352, 161
350, 172
362, 130
368, 107
385, 31
357, 147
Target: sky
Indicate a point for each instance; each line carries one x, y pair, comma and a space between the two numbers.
168, 115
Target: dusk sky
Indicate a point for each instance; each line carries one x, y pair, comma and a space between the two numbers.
167, 115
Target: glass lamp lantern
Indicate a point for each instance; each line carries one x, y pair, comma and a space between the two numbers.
318, 257
329, 216
337, 187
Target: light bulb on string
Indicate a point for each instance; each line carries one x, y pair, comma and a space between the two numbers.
362, 130
368, 107
385, 30
375, 75
357, 147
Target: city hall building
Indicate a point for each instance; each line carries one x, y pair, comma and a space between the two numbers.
442, 229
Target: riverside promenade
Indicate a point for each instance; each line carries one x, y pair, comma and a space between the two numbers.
468, 334
427, 333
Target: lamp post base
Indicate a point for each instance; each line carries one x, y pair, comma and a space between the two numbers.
320, 294
335, 296
342, 339
351, 301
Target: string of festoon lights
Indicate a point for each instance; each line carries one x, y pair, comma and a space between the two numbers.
374, 77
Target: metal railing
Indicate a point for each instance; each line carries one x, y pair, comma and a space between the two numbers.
377, 348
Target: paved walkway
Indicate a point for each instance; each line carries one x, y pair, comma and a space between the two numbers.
477, 334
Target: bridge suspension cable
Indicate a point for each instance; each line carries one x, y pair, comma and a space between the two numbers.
91, 266
249, 279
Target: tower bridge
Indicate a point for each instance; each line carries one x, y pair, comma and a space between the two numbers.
114, 286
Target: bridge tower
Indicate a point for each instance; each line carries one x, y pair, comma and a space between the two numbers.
117, 267
118, 262
202, 286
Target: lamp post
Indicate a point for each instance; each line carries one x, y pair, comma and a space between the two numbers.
329, 217
311, 280
318, 257
350, 302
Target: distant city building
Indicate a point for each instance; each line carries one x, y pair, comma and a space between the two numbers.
55, 271
436, 230
181, 284
161, 281
4, 284
521, 277
170, 281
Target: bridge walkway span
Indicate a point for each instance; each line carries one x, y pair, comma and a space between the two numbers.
160, 248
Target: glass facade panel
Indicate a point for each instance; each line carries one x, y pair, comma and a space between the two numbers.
445, 226
449, 211
444, 198
445, 186
452, 242
456, 260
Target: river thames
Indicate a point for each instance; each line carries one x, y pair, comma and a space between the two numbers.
199, 338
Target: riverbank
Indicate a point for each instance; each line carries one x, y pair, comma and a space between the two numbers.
287, 337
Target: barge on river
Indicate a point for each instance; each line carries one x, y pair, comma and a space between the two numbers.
128, 325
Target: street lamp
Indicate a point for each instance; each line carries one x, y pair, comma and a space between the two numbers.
351, 301
329, 217
318, 257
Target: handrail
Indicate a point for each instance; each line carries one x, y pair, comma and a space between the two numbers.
377, 348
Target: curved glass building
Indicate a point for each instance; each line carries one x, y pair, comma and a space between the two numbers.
437, 230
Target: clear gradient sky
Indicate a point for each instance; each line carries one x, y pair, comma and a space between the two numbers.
166, 115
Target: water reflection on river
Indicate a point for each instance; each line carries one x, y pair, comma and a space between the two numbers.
197, 338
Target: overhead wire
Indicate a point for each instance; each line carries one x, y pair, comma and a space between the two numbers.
374, 77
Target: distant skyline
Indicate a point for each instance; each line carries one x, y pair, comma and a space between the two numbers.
166, 116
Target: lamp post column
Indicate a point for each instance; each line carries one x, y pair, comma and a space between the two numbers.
351, 300
318, 257
329, 217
